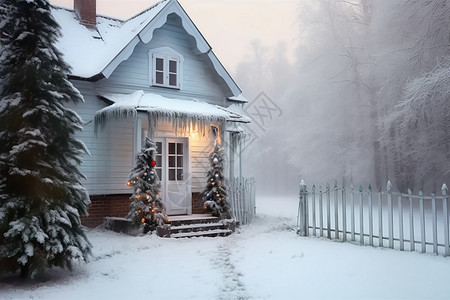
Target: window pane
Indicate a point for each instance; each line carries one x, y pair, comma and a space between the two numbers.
179, 174
158, 171
172, 66
180, 148
171, 161
159, 64
171, 174
159, 78
158, 147
173, 79
171, 148
158, 160
179, 161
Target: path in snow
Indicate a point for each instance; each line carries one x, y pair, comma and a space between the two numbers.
233, 287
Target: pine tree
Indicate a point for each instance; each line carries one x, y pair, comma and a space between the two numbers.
41, 196
215, 194
146, 208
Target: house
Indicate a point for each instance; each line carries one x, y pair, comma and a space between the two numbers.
152, 75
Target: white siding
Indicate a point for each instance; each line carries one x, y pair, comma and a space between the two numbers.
110, 162
200, 164
199, 79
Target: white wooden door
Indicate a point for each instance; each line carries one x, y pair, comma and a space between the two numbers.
173, 167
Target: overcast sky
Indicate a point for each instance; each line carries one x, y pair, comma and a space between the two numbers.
228, 25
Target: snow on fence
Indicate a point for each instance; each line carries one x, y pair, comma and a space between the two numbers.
384, 218
241, 196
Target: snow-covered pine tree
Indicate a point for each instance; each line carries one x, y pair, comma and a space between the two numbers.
41, 195
146, 208
215, 193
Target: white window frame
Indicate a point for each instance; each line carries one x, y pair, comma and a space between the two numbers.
166, 54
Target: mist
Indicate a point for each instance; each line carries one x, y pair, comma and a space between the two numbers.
365, 101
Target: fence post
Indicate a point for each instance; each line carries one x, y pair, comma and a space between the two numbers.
328, 211
390, 215
445, 208
361, 214
336, 212
412, 246
422, 223
352, 194
344, 213
380, 219
301, 219
434, 220
320, 212
400, 222
370, 216
313, 206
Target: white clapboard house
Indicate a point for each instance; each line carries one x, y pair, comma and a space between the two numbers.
152, 75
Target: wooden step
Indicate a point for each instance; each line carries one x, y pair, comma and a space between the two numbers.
187, 220
179, 227
196, 227
207, 233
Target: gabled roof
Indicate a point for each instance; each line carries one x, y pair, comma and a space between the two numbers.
93, 53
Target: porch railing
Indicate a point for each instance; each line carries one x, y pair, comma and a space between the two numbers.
241, 197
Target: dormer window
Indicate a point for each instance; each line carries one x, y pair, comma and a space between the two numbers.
166, 68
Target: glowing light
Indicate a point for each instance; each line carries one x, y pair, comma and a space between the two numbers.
128, 183
143, 220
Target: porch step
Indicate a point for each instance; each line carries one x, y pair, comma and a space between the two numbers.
207, 233
196, 226
179, 227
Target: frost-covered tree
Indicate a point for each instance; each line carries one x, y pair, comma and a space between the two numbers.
146, 208
41, 195
215, 193
422, 123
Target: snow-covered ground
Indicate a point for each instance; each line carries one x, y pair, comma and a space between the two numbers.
265, 260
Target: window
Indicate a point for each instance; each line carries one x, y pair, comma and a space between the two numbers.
175, 157
165, 68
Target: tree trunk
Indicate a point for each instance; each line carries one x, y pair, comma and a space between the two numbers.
25, 271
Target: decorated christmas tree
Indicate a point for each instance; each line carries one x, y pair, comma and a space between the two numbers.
146, 208
41, 196
215, 193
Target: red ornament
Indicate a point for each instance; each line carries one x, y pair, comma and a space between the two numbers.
153, 163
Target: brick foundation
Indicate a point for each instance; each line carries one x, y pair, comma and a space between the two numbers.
106, 206
197, 204
118, 206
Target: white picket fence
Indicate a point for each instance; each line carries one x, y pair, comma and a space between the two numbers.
241, 197
384, 219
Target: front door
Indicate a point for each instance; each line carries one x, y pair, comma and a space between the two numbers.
173, 167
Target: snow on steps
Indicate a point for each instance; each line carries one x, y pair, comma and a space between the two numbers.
179, 227
196, 226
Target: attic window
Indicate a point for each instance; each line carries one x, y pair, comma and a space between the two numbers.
166, 67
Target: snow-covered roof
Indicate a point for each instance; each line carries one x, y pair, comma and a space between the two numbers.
158, 107
239, 98
91, 53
